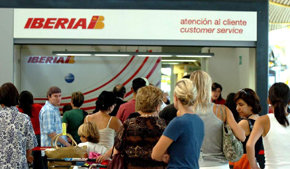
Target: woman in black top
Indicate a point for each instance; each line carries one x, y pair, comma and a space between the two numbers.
248, 107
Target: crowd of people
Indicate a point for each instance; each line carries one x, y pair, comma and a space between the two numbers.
188, 133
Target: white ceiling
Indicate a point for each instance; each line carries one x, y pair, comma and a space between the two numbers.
279, 14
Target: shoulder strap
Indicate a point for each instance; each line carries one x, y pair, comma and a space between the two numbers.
250, 124
222, 112
216, 109
109, 122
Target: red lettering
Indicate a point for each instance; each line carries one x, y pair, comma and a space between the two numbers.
49, 59
34, 60
42, 59
37, 23
65, 23
55, 59
29, 60
71, 22
67, 59
61, 23
93, 22
81, 22
49, 23
60, 60
29, 20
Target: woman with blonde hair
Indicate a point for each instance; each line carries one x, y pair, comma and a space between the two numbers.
182, 138
213, 116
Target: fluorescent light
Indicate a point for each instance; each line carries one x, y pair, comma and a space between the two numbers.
73, 54
171, 63
194, 56
175, 60
128, 54
150, 55
113, 55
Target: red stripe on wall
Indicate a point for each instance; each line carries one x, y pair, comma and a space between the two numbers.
89, 108
154, 67
128, 80
138, 70
68, 97
131, 91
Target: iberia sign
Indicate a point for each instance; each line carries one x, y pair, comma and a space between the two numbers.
51, 59
97, 22
121, 24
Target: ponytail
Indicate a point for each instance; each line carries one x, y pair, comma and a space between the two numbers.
279, 96
27, 109
279, 112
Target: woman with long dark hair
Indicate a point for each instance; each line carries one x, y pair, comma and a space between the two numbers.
275, 131
27, 106
107, 125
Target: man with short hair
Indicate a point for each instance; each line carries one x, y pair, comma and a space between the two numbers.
50, 120
128, 108
75, 117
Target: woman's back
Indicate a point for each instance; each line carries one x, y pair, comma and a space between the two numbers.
141, 134
34, 117
107, 126
277, 145
17, 136
212, 153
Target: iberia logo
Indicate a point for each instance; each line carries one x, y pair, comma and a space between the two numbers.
97, 22
51, 59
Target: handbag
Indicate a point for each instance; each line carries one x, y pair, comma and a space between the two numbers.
73, 151
118, 160
232, 147
243, 163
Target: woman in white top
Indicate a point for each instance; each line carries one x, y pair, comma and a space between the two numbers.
107, 125
275, 131
90, 137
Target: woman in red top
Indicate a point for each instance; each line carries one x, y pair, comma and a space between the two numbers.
216, 94
27, 106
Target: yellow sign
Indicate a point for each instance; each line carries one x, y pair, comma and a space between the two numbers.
64, 129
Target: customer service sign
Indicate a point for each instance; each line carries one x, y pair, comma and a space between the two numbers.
135, 24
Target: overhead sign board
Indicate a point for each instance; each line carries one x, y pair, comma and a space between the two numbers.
135, 24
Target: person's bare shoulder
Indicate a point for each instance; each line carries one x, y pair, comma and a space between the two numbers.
264, 123
245, 125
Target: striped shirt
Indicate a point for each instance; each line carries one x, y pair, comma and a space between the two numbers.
50, 122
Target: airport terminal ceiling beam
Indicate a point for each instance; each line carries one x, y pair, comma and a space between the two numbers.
135, 42
131, 4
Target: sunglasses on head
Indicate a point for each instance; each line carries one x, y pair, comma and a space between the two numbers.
244, 91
